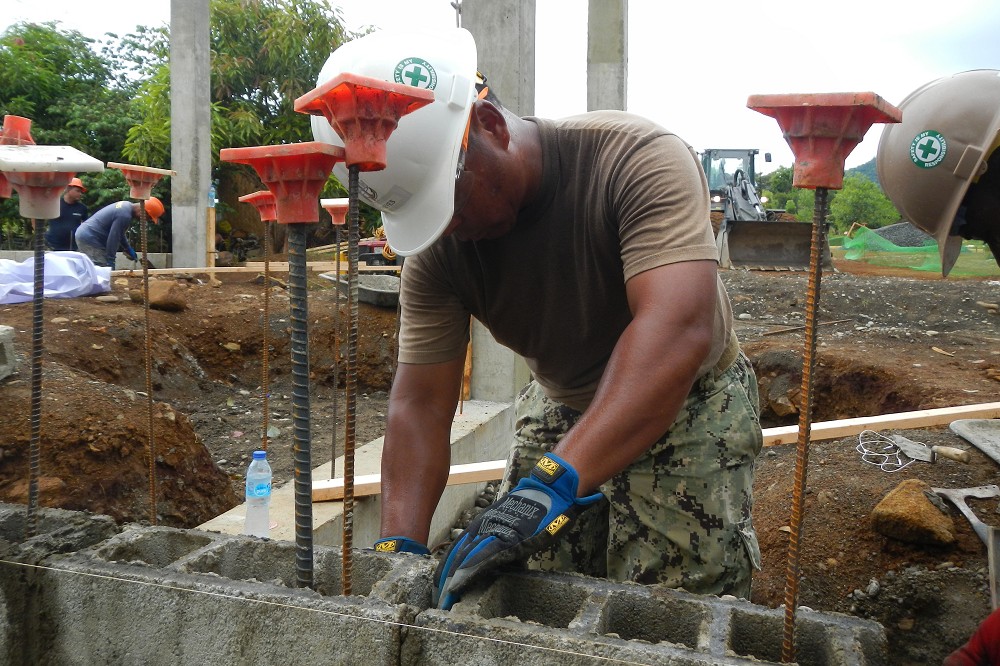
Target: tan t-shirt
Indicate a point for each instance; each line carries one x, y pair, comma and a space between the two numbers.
620, 195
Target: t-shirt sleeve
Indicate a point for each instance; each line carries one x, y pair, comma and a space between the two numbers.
661, 202
434, 325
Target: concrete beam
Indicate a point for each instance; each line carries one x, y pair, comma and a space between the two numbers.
607, 54
190, 130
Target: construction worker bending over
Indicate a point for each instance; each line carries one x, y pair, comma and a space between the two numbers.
101, 236
940, 166
585, 246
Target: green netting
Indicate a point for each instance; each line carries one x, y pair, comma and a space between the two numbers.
865, 245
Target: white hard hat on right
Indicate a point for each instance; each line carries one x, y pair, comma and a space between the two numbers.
927, 163
416, 190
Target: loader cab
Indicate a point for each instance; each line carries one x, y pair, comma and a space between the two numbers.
724, 167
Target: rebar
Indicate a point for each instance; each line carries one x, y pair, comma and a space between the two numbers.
265, 340
150, 448
336, 356
298, 299
37, 322
805, 424
351, 381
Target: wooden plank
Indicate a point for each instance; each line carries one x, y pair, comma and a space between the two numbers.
492, 470
253, 267
371, 484
922, 418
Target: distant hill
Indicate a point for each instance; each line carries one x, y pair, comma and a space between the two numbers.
867, 170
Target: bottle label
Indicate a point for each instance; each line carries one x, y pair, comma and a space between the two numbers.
259, 490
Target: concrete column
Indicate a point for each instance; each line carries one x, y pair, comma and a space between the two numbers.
607, 54
505, 39
191, 124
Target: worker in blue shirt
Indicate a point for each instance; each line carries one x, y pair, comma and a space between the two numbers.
60, 232
101, 236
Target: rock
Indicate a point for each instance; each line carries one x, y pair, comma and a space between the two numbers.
107, 298
907, 514
167, 295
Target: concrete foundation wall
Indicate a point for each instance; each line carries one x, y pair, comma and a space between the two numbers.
122, 263
85, 591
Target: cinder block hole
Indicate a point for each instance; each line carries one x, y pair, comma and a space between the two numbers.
553, 604
670, 619
758, 635
366, 570
274, 562
157, 548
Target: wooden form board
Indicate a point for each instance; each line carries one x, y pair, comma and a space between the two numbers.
492, 470
255, 267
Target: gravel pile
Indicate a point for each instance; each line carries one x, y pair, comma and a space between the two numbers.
904, 234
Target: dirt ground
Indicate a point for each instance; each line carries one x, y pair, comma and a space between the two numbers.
888, 343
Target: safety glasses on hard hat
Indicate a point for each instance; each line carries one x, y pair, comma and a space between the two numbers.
464, 179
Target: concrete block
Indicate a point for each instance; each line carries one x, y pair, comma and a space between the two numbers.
560, 619
8, 360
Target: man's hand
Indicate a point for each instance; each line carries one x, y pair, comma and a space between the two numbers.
131, 254
520, 523
400, 545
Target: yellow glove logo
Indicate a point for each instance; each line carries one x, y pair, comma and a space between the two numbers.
557, 523
387, 546
548, 466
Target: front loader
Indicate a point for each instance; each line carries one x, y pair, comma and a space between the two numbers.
747, 234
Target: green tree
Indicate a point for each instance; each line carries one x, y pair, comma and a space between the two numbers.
73, 96
264, 55
861, 201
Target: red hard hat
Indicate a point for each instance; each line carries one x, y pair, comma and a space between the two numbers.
76, 182
154, 207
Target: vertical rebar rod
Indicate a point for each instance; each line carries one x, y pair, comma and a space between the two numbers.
351, 381
265, 384
37, 322
298, 288
150, 447
805, 424
336, 357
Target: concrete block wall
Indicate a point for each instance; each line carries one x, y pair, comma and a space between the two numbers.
8, 360
122, 263
85, 591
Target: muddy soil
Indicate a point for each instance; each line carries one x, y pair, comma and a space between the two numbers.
887, 343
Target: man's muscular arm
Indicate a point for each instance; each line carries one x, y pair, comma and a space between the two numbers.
650, 373
417, 452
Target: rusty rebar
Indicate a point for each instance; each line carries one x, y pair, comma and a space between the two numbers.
805, 423
150, 447
351, 381
265, 340
37, 322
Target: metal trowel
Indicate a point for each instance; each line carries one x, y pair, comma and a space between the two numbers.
919, 451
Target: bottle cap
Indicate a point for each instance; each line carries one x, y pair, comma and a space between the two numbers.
260, 455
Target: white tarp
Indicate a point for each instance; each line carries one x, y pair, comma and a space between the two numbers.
67, 275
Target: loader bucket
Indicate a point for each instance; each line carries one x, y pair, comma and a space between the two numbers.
768, 246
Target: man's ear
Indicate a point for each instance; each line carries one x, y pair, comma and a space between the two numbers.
488, 119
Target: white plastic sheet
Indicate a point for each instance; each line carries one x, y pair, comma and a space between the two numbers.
67, 275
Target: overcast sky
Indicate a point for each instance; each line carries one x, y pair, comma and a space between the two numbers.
692, 64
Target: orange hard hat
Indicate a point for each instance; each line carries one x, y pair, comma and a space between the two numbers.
154, 208
76, 182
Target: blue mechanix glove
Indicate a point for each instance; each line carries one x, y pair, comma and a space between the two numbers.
132, 255
400, 545
518, 524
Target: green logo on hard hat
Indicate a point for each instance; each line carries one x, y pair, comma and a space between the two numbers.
416, 72
928, 149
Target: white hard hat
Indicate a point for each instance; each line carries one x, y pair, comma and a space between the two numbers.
416, 190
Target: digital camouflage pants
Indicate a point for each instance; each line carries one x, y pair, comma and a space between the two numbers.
679, 515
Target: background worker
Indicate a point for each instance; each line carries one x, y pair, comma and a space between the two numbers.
103, 234
585, 246
60, 232
940, 166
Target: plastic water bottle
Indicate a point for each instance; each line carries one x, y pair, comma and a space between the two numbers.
258, 495
211, 194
